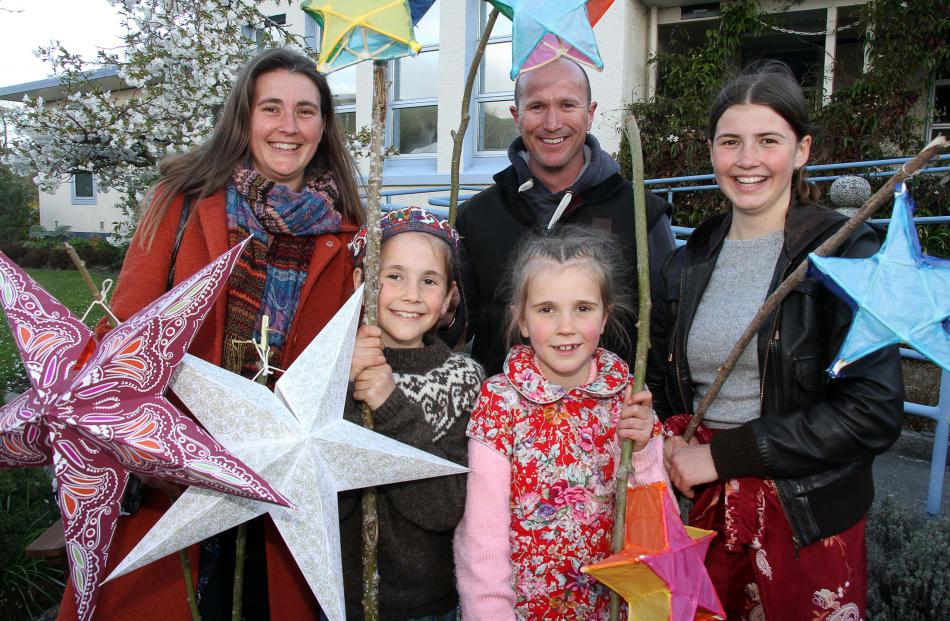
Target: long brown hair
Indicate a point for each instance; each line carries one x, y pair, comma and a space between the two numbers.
205, 169
772, 84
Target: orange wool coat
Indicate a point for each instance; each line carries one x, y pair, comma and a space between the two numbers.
157, 592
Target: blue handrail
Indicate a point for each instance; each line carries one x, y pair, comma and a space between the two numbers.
939, 413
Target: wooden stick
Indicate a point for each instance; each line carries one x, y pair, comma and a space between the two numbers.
829, 246
189, 585
90, 283
643, 337
370, 304
458, 136
237, 595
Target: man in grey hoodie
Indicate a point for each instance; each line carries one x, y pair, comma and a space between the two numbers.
558, 173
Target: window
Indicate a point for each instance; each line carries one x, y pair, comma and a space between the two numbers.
271, 26
495, 95
343, 87
83, 188
415, 92
940, 105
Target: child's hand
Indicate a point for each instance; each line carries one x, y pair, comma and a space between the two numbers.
373, 385
636, 418
368, 351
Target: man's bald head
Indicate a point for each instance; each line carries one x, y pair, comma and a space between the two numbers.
561, 65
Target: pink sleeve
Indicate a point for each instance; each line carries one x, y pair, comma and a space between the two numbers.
647, 465
482, 545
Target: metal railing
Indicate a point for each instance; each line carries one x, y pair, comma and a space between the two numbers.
670, 186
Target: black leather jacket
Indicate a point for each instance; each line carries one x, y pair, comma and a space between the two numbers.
816, 437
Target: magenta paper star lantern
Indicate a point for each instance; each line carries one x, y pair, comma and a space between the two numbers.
97, 413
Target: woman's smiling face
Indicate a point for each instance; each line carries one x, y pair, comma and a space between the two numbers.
286, 126
754, 154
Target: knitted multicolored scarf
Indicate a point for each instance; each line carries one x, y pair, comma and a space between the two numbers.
270, 273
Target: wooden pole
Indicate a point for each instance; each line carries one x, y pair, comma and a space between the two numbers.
370, 302
829, 246
240, 543
643, 336
97, 295
458, 136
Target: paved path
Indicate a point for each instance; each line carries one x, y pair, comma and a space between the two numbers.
904, 472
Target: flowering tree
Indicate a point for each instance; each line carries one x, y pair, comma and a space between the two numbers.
179, 56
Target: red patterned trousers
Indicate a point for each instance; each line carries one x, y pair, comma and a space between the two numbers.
758, 571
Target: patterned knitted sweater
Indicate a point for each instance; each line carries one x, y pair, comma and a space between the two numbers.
429, 409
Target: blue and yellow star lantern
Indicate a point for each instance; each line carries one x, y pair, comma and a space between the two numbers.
537, 24
358, 30
899, 295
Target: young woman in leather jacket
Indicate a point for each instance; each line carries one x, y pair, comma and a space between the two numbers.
782, 466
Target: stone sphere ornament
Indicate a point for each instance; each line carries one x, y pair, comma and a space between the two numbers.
848, 193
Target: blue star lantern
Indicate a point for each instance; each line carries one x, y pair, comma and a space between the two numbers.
531, 20
899, 295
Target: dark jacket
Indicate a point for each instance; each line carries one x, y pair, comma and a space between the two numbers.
493, 222
816, 437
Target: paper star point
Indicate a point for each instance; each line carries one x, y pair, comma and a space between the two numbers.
358, 30
899, 295
660, 571
297, 438
544, 30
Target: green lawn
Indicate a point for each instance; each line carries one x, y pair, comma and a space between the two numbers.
65, 285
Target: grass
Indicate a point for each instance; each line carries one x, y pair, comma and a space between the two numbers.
66, 286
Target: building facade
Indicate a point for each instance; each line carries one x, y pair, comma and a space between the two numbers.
813, 37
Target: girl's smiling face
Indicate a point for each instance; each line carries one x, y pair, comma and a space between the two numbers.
563, 318
414, 288
754, 154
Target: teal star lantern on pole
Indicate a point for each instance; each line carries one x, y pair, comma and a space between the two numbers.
899, 295
537, 23
358, 30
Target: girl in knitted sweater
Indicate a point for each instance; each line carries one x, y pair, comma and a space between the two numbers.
544, 439
421, 394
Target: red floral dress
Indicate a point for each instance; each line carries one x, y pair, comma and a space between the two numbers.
561, 446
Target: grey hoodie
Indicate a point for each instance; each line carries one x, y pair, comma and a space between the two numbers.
598, 167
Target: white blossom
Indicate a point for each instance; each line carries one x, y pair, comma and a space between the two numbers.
182, 58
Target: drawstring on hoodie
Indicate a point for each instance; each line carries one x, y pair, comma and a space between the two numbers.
560, 209
565, 201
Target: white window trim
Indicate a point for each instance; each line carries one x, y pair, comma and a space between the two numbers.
399, 104
83, 200
480, 97
932, 127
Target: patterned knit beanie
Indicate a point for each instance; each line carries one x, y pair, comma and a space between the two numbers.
410, 219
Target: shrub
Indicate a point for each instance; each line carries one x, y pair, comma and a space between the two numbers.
35, 256
27, 585
908, 564
59, 259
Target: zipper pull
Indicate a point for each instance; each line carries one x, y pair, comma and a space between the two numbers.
776, 335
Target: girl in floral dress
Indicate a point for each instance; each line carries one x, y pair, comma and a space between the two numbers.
544, 439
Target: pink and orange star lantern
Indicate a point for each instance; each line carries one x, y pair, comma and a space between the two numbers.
660, 571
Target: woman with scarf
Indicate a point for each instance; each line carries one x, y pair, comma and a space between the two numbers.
275, 168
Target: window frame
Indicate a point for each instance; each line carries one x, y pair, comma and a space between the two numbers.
83, 200
932, 127
395, 105
480, 96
